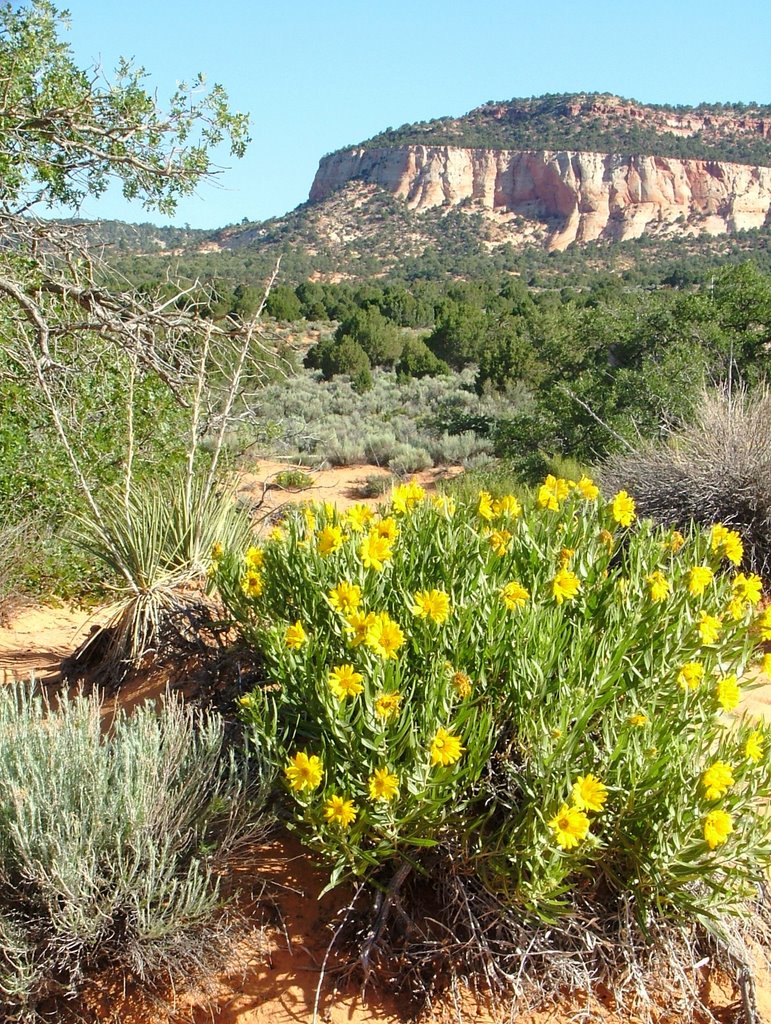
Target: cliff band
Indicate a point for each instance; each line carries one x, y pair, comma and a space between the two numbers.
580, 196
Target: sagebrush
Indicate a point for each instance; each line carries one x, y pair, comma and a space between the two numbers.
112, 846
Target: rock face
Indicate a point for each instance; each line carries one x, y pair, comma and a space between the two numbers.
578, 196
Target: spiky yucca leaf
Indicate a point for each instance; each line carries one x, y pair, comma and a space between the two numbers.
157, 542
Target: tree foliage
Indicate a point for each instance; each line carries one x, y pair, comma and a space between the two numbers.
64, 133
93, 372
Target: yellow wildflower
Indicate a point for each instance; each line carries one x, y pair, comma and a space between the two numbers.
658, 585
565, 586
717, 780
339, 811
461, 684
727, 692
431, 604
387, 528
699, 578
375, 551
553, 491
358, 517
748, 588
638, 720
709, 627
717, 535
605, 538
387, 704
754, 747
728, 542
514, 595
310, 519
444, 503
304, 772
345, 597
676, 541
588, 793
358, 625
446, 748
330, 538
507, 506
217, 551
383, 785
277, 534
570, 826
485, 508
737, 608
295, 636
733, 548
690, 675
588, 488
765, 667
344, 682
566, 555
254, 557
718, 825
384, 636
623, 509
252, 583
500, 541
547, 498
406, 496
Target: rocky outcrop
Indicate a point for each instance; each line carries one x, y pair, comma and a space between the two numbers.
578, 196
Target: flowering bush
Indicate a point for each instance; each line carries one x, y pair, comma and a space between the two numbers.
541, 690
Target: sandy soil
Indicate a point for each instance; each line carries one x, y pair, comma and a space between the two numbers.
339, 484
276, 969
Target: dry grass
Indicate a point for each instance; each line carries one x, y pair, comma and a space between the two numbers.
455, 935
718, 469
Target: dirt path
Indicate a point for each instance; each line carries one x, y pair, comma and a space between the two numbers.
341, 485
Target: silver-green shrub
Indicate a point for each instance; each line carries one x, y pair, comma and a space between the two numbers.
112, 844
313, 421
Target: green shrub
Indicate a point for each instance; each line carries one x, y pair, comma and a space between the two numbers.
535, 694
373, 334
375, 486
112, 846
293, 479
417, 360
717, 469
406, 459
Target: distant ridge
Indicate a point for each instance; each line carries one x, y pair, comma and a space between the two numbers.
599, 123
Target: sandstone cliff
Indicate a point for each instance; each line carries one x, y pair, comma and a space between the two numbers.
576, 196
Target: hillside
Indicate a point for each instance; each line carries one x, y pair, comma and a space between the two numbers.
609, 182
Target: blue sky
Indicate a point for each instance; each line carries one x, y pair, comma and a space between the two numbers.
316, 76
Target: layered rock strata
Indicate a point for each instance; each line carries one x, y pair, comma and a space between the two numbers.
580, 196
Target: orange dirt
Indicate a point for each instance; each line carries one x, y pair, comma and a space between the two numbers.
340, 485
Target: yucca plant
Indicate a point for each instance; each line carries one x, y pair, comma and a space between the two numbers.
157, 542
